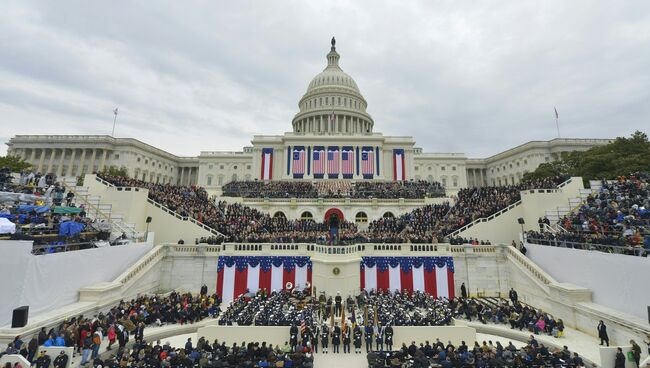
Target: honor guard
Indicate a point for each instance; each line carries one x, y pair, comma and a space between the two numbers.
293, 337
357, 339
324, 337
379, 337
389, 337
336, 337
369, 333
346, 339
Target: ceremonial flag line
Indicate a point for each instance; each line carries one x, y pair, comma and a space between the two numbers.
238, 274
433, 275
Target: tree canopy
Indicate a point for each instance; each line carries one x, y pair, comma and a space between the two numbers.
621, 157
14, 163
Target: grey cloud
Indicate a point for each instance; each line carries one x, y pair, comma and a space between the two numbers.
473, 77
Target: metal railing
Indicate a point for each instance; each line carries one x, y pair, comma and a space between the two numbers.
162, 207
97, 213
605, 248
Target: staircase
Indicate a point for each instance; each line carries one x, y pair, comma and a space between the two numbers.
101, 211
555, 215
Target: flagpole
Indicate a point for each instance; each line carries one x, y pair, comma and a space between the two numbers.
114, 120
557, 124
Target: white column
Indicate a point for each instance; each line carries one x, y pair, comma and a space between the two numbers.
41, 160
32, 157
59, 169
103, 160
51, 160
92, 161
82, 161
71, 164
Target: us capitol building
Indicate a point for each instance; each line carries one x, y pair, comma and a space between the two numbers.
332, 138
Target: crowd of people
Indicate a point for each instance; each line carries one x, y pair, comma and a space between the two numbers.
38, 208
412, 189
120, 324
431, 223
617, 215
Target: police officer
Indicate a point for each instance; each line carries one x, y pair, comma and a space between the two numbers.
324, 338
346, 339
369, 333
379, 337
336, 337
357, 339
388, 332
293, 337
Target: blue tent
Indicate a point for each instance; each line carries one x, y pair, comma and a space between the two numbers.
70, 228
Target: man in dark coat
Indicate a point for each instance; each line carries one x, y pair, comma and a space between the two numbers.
346, 340
324, 337
602, 333
388, 332
338, 304
463, 291
357, 339
61, 361
379, 337
293, 337
513, 296
336, 337
368, 332
620, 359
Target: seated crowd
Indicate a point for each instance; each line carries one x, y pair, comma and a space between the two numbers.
413, 189
42, 211
427, 224
118, 325
617, 215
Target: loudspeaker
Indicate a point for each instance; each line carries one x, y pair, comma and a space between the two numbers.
19, 318
148, 219
520, 221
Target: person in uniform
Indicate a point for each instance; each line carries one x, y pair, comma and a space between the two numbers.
338, 304
389, 337
379, 337
313, 334
346, 340
324, 338
336, 338
369, 333
305, 336
357, 339
293, 337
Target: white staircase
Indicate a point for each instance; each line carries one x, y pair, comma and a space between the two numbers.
556, 214
97, 210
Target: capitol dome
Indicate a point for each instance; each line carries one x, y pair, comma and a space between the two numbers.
333, 103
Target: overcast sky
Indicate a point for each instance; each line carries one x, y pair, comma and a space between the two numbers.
476, 77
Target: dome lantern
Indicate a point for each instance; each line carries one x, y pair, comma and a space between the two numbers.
333, 103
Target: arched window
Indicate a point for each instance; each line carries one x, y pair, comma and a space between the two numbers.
306, 216
430, 178
388, 215
361, 218
279, 214
234, 177
209, 180
220, 180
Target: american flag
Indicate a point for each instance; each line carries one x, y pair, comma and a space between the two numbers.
347, 157
298, 162
303, 325
367, 162
333, 161
319, 161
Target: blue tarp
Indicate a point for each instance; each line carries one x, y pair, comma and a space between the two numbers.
29, 208
70, 228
